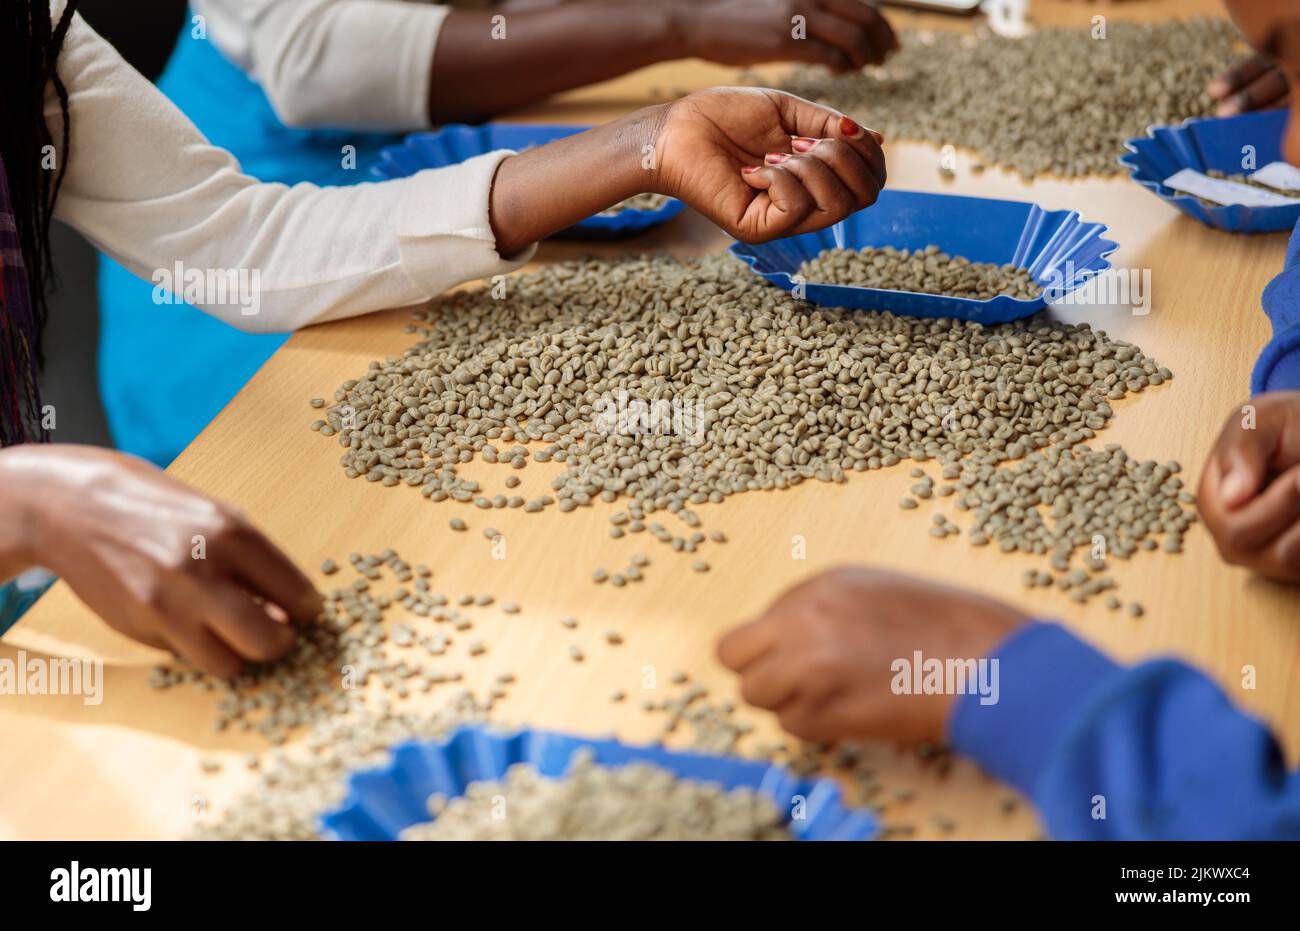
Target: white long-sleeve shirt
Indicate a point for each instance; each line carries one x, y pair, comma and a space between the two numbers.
349, 64
145, 186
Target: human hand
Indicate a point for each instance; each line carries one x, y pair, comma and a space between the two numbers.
156, 560
763, 164
820, 656
1249, 496
1254, 84
841, 34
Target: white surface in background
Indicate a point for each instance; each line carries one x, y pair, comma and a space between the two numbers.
1279, 175
1224, 192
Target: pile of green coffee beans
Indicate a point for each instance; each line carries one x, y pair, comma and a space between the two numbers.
771, 392
784, 392
1059, 101
927, 271
637, 801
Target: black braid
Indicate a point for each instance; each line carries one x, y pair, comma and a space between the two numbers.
30, 44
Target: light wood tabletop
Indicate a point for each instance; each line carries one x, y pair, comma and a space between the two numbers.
127, 768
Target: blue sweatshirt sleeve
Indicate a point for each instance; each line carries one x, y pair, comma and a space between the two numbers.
1278, 366
1159, 743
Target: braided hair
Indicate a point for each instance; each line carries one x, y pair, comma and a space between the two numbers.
30, 42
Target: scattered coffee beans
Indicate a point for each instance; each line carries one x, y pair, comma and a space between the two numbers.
328, 686
1067, 498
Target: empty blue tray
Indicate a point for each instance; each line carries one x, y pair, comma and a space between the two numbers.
1206, 142
976, 228
456, 143
383, 802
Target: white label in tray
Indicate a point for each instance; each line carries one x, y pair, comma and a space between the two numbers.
1281, 175
1225, 192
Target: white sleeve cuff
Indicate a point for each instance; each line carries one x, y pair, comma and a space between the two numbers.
363, 64
443, 228
415, 67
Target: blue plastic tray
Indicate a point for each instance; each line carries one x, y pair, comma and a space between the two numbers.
977, 228
456, 143
381, 803
1207, 142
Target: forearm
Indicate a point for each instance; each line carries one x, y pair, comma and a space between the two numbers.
544, 190
477, 73
18, 500
145, 186
355, 64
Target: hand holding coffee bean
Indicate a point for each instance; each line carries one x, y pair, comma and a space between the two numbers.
1249, 496
761, 164
764, 164
158, 561
820, 656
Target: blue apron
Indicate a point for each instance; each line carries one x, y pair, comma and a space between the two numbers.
165, 370
17, 595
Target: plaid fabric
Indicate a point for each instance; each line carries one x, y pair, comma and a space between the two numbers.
20, 403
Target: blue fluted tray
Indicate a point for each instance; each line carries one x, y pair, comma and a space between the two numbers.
977, 228
456, 143
1204, 143
382, 802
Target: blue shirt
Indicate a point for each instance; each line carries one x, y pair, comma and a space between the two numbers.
1157, 748
1278, 367
1108, 752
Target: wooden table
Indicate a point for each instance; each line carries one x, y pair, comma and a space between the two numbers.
127, 768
